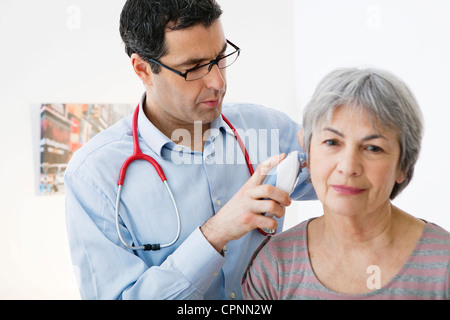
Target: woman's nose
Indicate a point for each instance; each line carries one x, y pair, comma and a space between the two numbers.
349, 163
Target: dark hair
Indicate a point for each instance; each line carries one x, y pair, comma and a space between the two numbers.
143, 23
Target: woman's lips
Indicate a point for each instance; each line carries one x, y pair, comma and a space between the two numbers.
347, 190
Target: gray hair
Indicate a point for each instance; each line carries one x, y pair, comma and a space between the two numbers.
386, 98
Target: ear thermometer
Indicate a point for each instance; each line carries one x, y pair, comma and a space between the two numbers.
285, 177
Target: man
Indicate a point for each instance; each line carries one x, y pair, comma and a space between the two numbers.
179, 50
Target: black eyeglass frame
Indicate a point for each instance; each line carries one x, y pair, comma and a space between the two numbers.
211, 63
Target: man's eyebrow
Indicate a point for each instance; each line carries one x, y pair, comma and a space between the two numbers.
194, 61
371, 137
224, 48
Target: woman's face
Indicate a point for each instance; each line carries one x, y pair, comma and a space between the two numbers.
354, 165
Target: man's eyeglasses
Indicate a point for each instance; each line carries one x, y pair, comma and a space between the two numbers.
223, 61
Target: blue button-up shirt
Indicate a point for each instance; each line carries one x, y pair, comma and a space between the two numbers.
201, 182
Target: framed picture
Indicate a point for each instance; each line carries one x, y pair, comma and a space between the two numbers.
64, 128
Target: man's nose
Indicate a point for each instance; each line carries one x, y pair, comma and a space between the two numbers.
215, 79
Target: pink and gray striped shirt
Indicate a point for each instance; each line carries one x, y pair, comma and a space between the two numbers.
281, 269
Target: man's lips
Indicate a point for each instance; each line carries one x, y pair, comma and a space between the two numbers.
347, 190
212, 103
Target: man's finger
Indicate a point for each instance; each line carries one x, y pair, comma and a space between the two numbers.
272, 193
264, 167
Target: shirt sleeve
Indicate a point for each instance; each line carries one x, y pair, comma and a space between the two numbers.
105, 269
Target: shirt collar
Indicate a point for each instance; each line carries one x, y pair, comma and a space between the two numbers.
220, 124
156, 140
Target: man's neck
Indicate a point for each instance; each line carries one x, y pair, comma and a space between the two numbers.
191, 135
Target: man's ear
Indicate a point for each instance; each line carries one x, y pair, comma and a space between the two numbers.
142, 69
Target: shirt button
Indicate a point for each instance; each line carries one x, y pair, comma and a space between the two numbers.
233, 295
218, 202
225, 248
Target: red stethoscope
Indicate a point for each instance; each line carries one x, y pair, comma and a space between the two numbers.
138, 155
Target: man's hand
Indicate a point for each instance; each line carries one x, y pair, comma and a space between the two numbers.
243, 212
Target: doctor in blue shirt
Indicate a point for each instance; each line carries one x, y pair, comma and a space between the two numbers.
179, 50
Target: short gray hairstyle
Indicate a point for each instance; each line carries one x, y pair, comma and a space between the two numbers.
387, 99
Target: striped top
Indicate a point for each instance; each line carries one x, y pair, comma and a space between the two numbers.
281, 269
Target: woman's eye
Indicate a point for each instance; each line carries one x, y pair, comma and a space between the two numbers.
374, 149
331, 142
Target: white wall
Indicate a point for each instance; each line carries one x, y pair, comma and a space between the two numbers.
48, 55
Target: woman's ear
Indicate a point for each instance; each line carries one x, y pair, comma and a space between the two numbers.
300, 139
401, 177
301, 142
142, 69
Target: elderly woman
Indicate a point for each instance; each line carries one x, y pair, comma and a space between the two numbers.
362, 135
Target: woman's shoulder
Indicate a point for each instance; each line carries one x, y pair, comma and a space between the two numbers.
297, 232
436, 234
433, 249
293, 239
290, 238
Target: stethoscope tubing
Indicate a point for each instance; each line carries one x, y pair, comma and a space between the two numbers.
148, 247
138, 155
